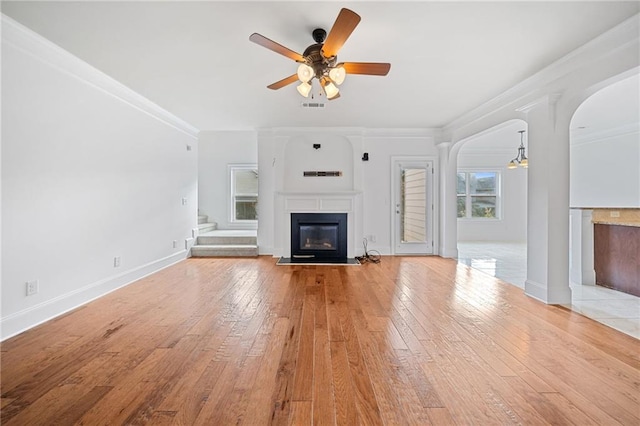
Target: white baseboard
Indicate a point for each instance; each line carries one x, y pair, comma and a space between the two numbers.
21, 321
448, 253
550, 296
265, 251
535, 290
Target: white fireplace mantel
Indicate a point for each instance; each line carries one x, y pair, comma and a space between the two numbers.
285, 203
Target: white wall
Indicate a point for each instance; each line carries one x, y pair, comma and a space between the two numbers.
512, 226
377, 181
492, 151
335, 154
216, 151
605, 147
371, 178
605, 171
90, 171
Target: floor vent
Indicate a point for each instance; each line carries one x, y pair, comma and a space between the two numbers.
312, 105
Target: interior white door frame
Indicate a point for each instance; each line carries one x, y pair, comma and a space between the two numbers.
432, 200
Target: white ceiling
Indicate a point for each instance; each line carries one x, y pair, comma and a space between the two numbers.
195, 58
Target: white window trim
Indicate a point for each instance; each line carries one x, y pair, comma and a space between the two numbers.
231, 169
499, 203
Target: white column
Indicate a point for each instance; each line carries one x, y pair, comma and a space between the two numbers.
448, 210
548, 203
582, 268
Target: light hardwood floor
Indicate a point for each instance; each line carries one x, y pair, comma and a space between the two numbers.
413, 340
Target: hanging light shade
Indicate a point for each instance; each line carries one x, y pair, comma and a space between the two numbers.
330, 89
304, 89
305, 73
524, 163
337, 75
521, 159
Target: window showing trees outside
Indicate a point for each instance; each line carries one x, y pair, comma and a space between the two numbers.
244, 193
478, 194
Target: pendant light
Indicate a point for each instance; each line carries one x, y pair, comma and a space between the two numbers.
521, 159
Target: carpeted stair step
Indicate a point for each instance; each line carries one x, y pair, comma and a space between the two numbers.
226, 250
222, 239
207, 227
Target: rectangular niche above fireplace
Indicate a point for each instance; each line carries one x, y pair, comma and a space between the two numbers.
319, 237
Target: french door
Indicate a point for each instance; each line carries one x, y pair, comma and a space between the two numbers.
412, 215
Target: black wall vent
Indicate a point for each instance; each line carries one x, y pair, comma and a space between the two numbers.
321, 174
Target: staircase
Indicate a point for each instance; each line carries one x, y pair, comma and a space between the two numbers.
213, 242
204, 225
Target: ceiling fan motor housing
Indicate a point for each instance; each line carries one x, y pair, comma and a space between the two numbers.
319, 35
315, 59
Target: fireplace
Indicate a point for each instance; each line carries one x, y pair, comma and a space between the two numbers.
319, 237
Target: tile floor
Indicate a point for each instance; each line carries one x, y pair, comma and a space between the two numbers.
508, 261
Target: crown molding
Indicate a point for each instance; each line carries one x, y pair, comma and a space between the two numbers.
401, 133
590, 137
550, 99
352, 131
479, 152
30, 43
531, 90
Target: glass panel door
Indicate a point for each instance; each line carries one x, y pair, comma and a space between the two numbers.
413, 213
413, 201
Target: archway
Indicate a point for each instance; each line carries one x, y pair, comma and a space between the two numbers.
492, 203
604, 182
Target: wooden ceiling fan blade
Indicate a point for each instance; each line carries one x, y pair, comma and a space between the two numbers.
284, 82
367, 68
346, 22
276, 47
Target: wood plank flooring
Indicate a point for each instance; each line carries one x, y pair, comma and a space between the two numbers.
412, 340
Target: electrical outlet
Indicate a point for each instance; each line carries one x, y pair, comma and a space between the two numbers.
175, 243
116, 262
184, 201
614, 213
32, 287
372, 238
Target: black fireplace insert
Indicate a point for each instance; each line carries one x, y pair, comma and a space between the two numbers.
319, 237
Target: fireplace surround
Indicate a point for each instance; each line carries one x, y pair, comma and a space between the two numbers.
285, 203
319, 237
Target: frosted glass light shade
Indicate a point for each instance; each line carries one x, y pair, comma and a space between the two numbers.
331, 90
337, 75
512, 165
304, 89
524, 163
305, 73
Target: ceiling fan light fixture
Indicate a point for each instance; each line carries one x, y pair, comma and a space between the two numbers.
305, 73
304, 89
337, 75
330, 89
319, 60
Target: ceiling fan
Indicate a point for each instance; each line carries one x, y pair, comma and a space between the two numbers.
320, 60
